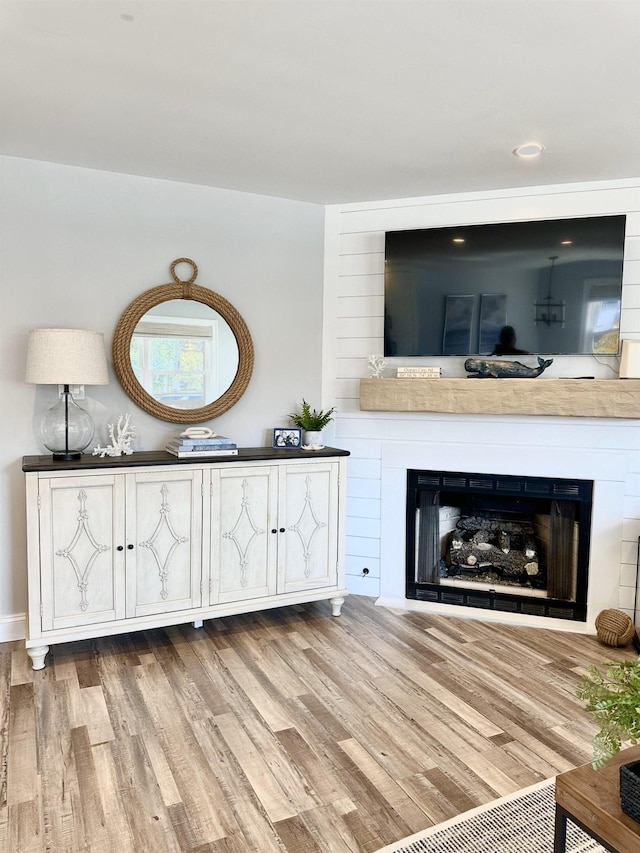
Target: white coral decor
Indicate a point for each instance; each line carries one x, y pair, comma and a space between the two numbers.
376, 365
121, 435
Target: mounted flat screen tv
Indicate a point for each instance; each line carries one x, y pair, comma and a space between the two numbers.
550, 287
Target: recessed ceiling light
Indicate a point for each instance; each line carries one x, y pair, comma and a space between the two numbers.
458, 240
528, 150
566, 242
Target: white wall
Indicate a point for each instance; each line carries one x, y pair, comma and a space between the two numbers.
78, 245
354, 281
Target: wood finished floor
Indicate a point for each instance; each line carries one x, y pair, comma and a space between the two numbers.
287, 730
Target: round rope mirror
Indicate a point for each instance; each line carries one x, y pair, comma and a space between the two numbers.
179, 366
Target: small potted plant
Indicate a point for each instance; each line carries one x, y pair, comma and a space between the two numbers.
613, 697
311, 422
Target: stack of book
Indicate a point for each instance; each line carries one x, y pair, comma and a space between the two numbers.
217, 445
419, 372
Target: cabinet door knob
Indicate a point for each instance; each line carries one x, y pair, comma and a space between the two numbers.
282, 530
130, 547
120, 548
273, 530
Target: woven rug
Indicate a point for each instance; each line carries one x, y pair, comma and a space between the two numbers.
520, 823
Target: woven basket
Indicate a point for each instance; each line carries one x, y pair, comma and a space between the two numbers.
614, 628
630, 789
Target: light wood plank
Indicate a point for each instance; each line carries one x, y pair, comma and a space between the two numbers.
390, 790
269, 710
268, 791
21, 671
189, 769
22, 757
119, 832
97, 715
142, 806
89, 790
593, 398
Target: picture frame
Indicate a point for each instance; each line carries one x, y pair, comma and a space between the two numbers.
456, 338
285, 438
493, 318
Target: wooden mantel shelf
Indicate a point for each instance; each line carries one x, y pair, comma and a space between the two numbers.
586, 398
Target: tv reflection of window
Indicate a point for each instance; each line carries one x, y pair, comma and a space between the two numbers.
602, 322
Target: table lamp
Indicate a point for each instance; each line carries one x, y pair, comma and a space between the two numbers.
66, 357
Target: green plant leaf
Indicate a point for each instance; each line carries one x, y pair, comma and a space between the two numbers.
311, 419
613, 697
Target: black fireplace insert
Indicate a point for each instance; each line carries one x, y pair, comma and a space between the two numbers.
499, 542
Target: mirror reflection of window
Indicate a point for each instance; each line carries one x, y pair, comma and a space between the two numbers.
175, 360
184, 354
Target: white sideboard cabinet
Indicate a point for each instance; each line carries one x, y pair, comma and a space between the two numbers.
147, 540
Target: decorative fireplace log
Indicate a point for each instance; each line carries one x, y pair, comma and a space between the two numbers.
507, 547
475, 556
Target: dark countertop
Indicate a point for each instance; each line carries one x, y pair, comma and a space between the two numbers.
161, 457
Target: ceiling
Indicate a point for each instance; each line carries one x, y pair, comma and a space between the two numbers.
326, 101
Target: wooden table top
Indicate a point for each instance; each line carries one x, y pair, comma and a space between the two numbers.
593, 798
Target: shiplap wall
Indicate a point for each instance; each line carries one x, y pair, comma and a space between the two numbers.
353, 329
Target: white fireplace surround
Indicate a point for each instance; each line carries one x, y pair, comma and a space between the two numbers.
608, 468
583, 441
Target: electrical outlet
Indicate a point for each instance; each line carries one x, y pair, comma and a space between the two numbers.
77, 391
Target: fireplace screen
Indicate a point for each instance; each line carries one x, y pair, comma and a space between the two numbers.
519, 544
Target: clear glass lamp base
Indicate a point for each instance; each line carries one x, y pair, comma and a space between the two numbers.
66, 429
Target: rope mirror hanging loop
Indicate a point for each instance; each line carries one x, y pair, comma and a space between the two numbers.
181, 289
186, 283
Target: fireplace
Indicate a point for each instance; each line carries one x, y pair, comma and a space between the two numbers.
516, 544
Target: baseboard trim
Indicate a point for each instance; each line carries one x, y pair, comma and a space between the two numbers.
13, 627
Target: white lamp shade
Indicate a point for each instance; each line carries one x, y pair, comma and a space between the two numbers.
630, 360
66, 357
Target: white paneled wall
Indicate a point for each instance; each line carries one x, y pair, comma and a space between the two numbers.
354, 286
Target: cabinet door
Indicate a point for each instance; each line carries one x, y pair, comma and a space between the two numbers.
82, 572
164, 541
244, 533
308, 553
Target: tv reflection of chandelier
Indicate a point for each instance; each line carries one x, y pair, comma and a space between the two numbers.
550, 311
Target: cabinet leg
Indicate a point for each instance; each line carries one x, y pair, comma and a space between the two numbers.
198, 623
336, 605
37, 655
